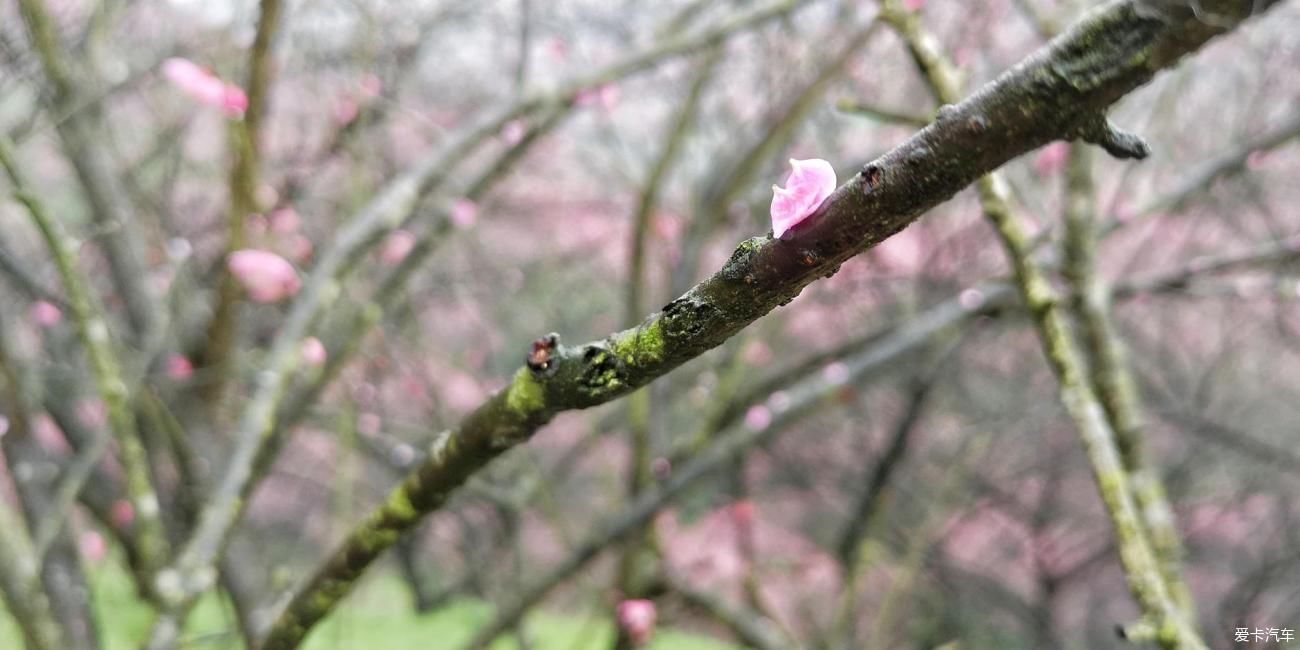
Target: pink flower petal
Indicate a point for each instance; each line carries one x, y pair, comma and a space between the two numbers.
396, 247
758, 417
513, 132
810, 182
122, 513
313, 352
636, 617
93, 547
285, 221
179, 368
267, 277
463, 213
346, 110
44, 314
204, 87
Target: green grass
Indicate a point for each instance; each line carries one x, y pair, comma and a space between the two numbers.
377, 617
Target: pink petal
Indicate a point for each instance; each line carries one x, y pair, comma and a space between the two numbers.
808, 185
233, 101
179, 368
313, 352
758, 417
285, 221
45, 314
204, 87
513, 132
463, 213
266, 277
346, 110
93, 546
742, 512
122, 513
396, 247
637, 619
913, 5
299, 248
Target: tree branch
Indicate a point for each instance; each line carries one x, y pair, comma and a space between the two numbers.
1054, 90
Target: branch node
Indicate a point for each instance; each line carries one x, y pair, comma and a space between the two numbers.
541, 355
1116, 141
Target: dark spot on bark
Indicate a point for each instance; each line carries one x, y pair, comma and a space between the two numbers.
687, 318
603, 372
870, 177
808, 258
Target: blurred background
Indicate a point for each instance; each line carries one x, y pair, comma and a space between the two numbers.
578, 165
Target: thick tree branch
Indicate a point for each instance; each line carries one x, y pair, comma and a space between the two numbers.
1108, 54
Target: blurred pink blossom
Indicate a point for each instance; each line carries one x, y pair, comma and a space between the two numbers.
205, 87
48, 434
122, 513
267, 277
835, 372
513, 132
396, 247
808, 185
636, 617
285, 221
1256, 159
299, 248
461, 391
742, 512
971, 299
346, 109
904, 252
913, 5
668, 226
179, 368
758, 417
45, 314
463, 213
313, 352
93, 547
604, 96
1050, 160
